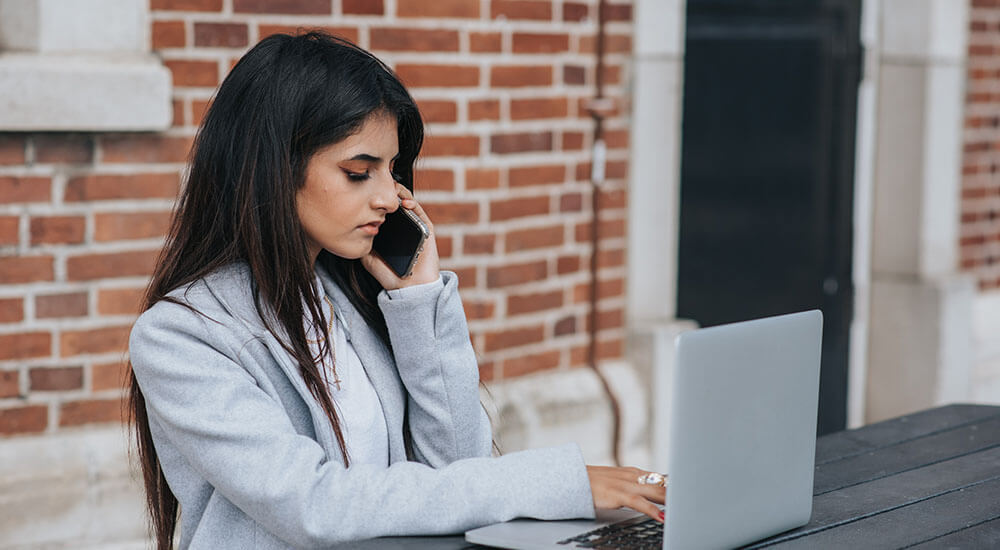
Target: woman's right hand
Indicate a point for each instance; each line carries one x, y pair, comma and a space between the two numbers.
614, 487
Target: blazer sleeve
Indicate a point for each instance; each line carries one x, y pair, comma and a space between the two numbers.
438, 367
210, 410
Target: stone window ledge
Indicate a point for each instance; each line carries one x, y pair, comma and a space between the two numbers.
97, 92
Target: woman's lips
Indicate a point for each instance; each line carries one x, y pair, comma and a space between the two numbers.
370, 228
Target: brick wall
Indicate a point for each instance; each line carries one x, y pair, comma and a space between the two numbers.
980, 229
504, 176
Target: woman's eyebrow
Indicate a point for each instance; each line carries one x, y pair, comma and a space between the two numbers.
366, 157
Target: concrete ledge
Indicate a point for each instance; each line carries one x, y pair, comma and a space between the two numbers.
70, 490
106, 92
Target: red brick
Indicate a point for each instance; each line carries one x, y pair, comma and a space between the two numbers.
572, 141
573, 11
564, 326
530, 239
145, 148
452, 212
515, 274
348, 33
536, 301
220, 35
413, 40
522, 142
514, 337
467, 276
445, 245
25, 345
574, 75
616, 169
611, 258
168, 34
194, 73
9, 229
526, 364
451, 146
437, 8
107, 265
507, 209
186, 5
198, 110
25, 189
475, 310
11, 310
25, 269
568, 264
607, 229
119, 301
64, 148
610, 349
485, 42
12, 149
438, 110
520, 75
613, 43
90, 411
617, 12
482, 178
57, 230
362, 7
552, 107
484, 109
9, 383
70, 304
100, 340
130, 225
521, 9
427, 179
524, 42
297, 7
486, 373
612, 75
607, 319
113, 186
55, 379
107, 376
523, 176
605, 289
611, 198
177, 119
23, 420
616, 139
479, 244
436, 76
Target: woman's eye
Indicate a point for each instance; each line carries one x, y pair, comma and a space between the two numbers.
356, 176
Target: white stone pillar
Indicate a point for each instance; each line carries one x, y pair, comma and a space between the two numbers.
654, 204
920, 323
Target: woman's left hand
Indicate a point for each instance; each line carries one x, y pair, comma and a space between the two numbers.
426, 270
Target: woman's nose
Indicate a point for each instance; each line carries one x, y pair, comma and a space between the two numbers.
385, 196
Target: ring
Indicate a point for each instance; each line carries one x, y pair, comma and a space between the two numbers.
653, 478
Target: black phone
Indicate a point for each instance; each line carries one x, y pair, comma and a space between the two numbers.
400, 239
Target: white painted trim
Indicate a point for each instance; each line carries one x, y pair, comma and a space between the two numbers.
58, 74
864, 189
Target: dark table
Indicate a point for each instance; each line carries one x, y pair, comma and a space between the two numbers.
925, 480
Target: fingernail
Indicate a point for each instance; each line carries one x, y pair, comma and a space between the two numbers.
662, 516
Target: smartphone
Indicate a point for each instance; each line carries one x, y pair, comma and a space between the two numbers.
400, 239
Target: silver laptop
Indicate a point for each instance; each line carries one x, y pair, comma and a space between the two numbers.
742, 443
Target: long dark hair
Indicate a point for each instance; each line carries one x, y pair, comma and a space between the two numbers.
285, 99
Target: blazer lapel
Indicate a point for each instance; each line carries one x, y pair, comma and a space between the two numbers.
377, 361
231, 286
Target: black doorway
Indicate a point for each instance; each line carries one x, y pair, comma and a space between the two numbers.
767, 168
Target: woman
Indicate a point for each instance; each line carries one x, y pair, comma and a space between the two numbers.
288, 389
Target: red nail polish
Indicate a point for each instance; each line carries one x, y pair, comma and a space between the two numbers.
662, 516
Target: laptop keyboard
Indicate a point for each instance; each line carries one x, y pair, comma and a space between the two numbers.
640, 533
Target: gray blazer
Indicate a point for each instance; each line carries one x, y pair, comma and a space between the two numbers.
253, 460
